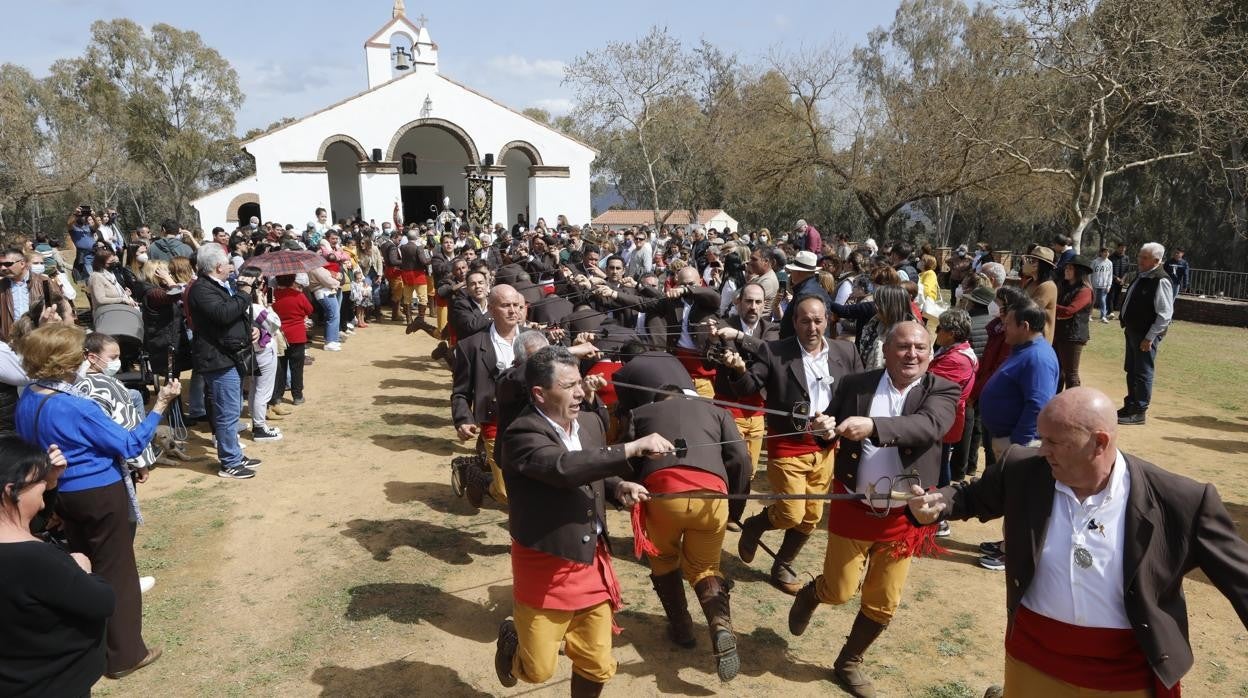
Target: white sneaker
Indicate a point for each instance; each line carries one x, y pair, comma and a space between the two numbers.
146, 584
333, 346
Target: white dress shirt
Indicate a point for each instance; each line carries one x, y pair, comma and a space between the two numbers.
686, 340
1066, 591
818, 377
882, 461
571, 441
503, 349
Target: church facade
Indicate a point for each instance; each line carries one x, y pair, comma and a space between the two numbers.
415, 138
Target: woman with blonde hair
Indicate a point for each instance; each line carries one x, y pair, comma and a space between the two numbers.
181, 270
92, 500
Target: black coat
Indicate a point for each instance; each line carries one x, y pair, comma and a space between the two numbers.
221, 323
779, 371
980, 317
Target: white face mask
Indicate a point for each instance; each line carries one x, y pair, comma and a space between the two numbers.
112, 367
37, 268
142, 257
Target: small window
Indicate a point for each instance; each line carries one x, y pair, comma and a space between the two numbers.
409, 164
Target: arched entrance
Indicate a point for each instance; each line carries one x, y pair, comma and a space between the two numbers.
516, 158
342, 163
433, 153
247, 210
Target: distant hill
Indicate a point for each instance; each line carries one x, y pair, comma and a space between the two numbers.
608, 198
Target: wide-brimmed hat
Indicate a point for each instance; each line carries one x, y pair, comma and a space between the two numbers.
1081, 262
804, 261
1042, 253
982, 295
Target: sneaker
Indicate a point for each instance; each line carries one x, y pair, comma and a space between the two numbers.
350, 326
942, 530
991, 548
279, 408
252, 463
297, 401
272, 414
1136, 418
332, 346
146, 584
993, 562
236, 473
265, 433
1104, 321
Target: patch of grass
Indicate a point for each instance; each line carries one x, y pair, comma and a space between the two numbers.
1219, 673
949, 689
1193, 361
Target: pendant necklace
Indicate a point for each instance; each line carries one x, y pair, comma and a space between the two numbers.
1082, 555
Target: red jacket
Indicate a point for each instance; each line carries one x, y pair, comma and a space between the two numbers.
996, 351
293, 307
957, 364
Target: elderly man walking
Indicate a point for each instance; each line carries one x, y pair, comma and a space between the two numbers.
1100, 542
1146, 313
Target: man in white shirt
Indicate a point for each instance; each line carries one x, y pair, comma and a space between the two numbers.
1099, 545
890, 422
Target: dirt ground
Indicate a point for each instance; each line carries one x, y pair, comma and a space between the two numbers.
349, 568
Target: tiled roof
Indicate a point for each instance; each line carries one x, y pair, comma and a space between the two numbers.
646, 217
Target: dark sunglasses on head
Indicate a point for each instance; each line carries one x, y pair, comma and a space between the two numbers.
6, 265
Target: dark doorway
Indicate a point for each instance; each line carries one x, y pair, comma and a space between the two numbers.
246, 211
417, 202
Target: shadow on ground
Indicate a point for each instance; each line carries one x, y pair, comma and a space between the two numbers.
397, 679
434, 446
450, 545
1208, 422
1218, 445
414, 603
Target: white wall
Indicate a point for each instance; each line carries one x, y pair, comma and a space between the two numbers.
516, 191
375, 116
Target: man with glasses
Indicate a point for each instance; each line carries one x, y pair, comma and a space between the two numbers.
20, 288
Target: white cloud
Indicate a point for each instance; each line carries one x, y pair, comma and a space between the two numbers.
521, 67
557, 106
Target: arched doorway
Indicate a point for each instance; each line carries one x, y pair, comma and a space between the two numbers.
246, 211
342, 163
516, 162
433, 154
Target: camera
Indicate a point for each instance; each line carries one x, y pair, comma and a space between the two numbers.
85, 210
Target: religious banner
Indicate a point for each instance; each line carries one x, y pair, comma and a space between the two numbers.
480, 200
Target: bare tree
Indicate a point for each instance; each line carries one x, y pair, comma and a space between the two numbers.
1117, 85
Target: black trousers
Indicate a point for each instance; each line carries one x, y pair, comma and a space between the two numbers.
292, 359
97, 524
964, 460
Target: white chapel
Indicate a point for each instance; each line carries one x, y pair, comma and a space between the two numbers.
413, 137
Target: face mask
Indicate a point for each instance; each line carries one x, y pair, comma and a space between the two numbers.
142, 257
112, 367
37, 268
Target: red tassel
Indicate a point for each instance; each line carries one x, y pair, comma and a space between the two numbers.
919, 541
641, 542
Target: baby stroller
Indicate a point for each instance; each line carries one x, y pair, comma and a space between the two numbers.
125, 324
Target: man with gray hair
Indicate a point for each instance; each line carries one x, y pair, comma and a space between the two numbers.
223, 333
995, 273
1146, 312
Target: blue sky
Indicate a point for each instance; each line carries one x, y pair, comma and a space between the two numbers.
294, 57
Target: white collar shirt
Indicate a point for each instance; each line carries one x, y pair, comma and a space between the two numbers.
571, 441
882, 461
503, 350
1088, 533
818, 377
686, 339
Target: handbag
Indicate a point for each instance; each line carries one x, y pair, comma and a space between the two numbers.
933, 308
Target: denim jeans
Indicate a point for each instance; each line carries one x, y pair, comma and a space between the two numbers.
1101, 300
1140, 366
332, 306
195, 396
226, 388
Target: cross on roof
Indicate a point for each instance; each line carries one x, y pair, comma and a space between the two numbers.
422, 20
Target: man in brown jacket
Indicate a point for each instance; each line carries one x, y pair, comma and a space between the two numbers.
890, 422
560, 472
1100, 542
20, 287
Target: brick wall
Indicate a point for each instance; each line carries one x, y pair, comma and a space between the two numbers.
1211, 311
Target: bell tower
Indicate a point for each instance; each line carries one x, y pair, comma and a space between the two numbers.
399, 47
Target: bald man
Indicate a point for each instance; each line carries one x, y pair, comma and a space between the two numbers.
1099, 544
479, 361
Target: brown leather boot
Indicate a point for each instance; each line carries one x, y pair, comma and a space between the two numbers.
584, 688
751, 532
713, 596
803, 608
848, 666
670, 588
782, 576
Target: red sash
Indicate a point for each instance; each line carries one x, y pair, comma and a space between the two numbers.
693, 363
550, 582
489, 430
850, 518
792, 446
676, 478
1102, 659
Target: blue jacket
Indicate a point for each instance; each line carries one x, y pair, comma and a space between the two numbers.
93, 443
1014, 395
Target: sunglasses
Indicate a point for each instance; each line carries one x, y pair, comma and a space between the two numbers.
6, 265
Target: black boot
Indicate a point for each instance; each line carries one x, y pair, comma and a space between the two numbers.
803, 608
670, 588
584, 688
751, 531
713, 596
848, 666
505, 651
782, 575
